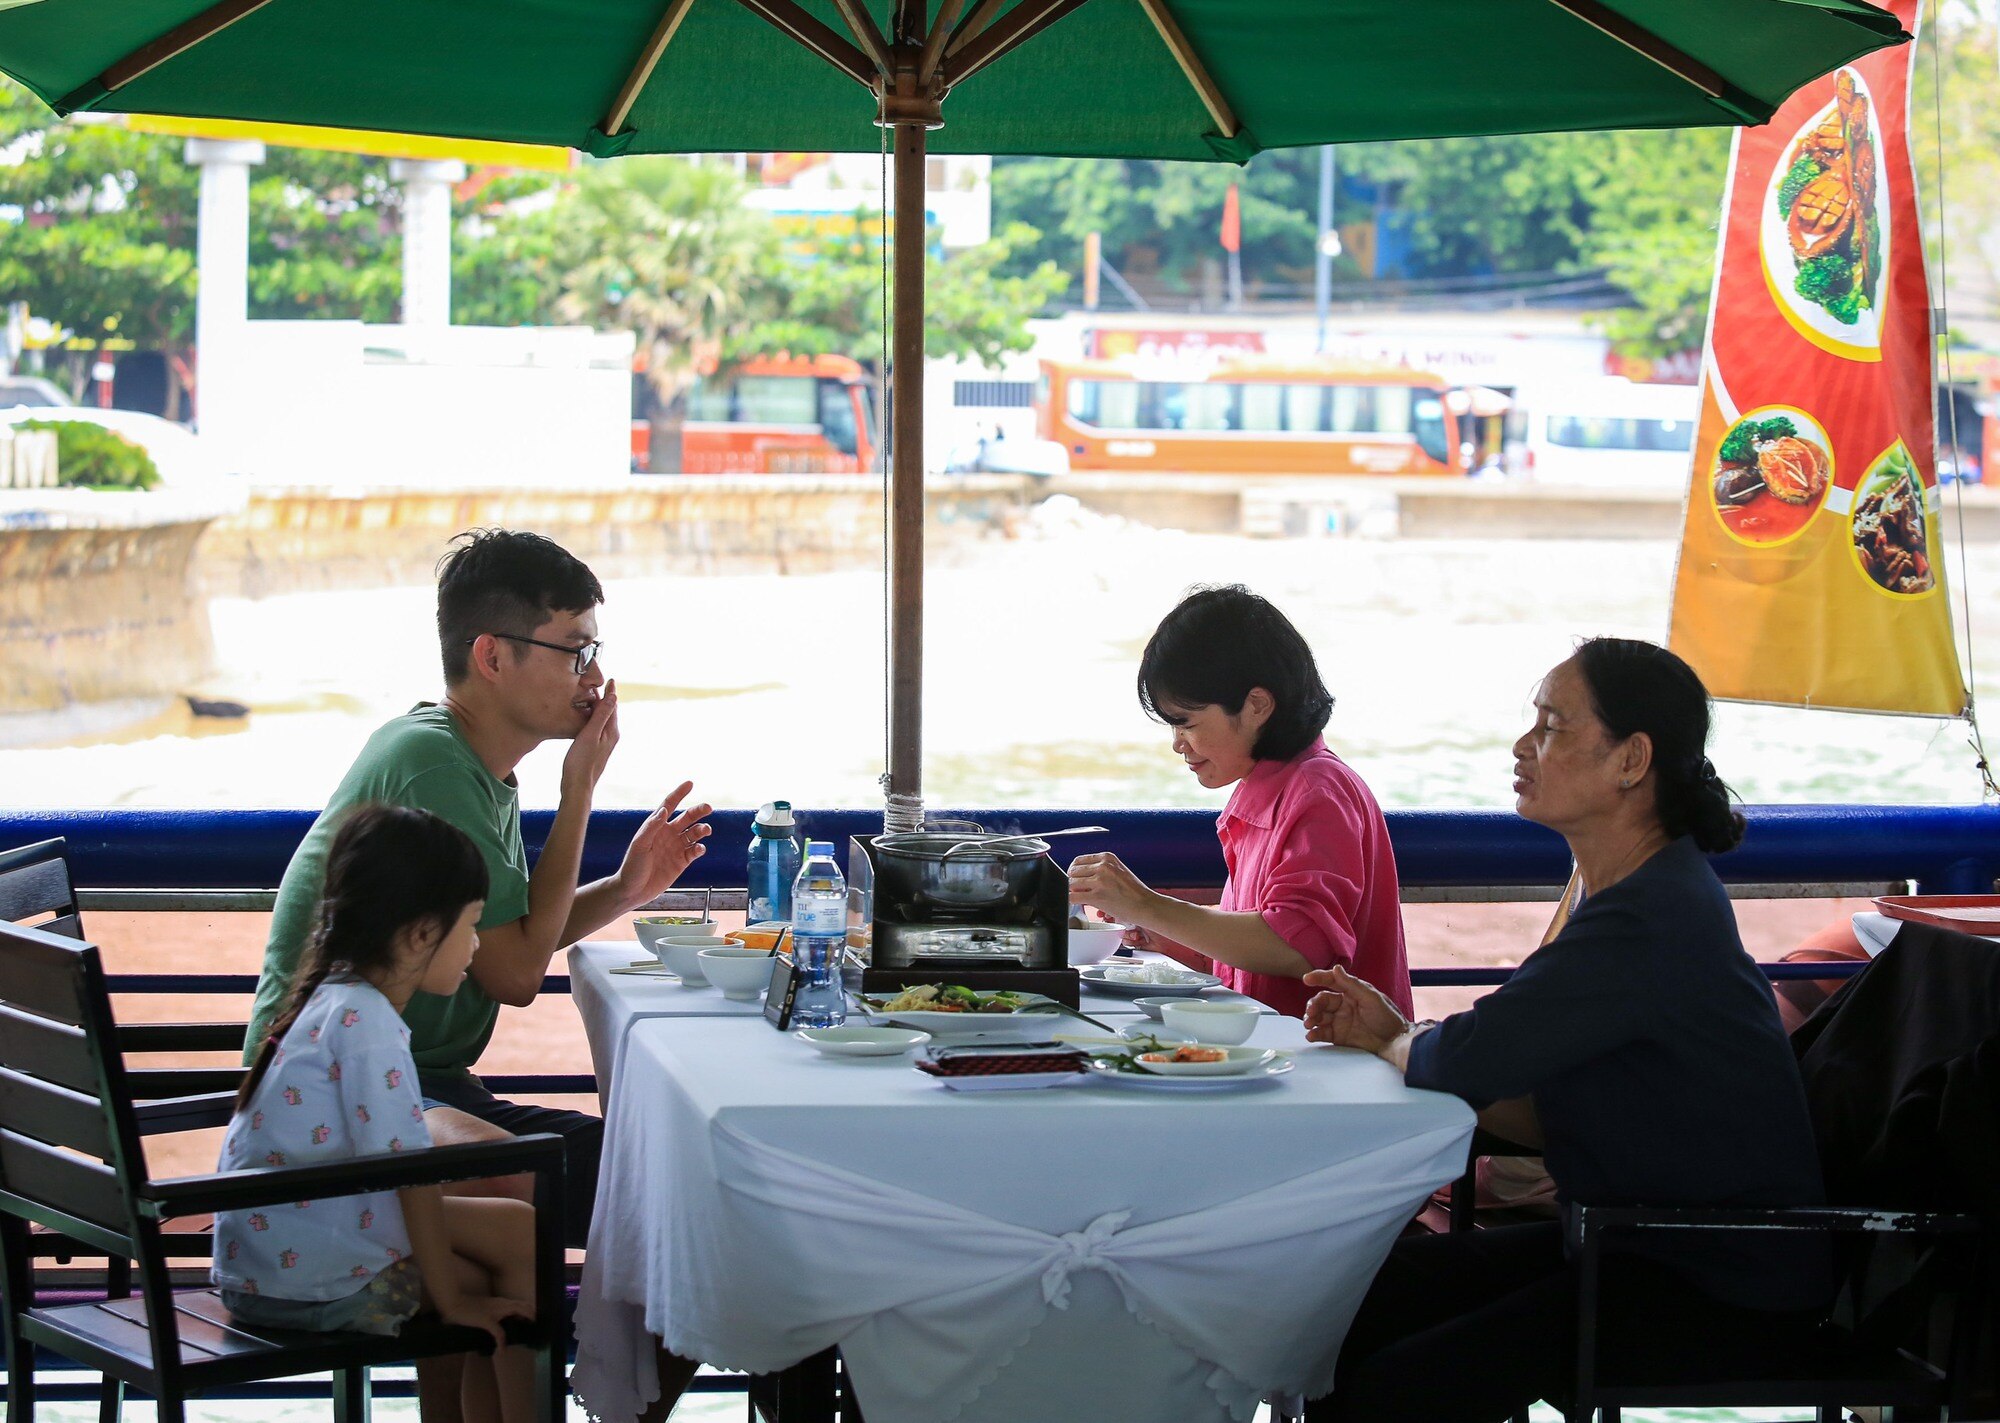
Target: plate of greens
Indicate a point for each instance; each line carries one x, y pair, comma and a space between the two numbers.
956, 1011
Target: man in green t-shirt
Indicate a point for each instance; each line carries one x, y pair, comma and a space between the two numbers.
517, 624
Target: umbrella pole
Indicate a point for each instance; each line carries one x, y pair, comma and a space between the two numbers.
904, 809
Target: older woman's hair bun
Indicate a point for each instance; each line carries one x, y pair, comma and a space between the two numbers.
1639, 686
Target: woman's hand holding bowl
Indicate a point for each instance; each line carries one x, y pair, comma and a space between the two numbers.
1351, 1012
1103, 882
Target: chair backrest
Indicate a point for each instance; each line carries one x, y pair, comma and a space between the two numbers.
35, 888
70, 1155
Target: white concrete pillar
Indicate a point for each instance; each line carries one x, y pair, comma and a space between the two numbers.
222, 270
427, 185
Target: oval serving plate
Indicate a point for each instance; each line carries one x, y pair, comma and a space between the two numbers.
1031, 1019
862, 1042
1187, 987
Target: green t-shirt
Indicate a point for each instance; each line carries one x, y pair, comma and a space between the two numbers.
420, 759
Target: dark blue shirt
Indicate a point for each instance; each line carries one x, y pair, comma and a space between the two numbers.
1651, 1045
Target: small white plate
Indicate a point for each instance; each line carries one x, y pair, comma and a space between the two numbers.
862, 1042
1153, 1082
1235, 1062
1188, 987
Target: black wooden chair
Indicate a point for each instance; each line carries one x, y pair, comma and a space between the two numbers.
1858, 1362
70, 1161
35, 888
38, 891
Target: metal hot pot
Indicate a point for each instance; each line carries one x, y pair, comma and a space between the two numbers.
957, 875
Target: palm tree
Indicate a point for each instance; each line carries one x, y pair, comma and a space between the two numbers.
667, 248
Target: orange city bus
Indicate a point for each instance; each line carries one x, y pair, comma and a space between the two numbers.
1250, 415
778, 415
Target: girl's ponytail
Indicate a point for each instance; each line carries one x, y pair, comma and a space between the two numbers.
392, 868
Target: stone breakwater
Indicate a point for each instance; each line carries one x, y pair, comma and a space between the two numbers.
312, 539
104, 597
98, 599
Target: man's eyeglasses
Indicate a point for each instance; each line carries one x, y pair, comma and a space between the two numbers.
584, 655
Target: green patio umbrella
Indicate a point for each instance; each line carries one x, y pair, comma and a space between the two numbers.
1208, 80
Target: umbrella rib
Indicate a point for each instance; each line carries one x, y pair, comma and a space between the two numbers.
649, 58
1023, 23
1197, 73
867, 32
927, 62
982, 14
1643, 41
822, 40
151, 55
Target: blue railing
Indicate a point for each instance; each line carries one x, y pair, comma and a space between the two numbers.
1945, 849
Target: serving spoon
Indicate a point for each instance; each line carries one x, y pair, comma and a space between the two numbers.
987, 840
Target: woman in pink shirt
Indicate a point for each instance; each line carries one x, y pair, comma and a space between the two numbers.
1312, 876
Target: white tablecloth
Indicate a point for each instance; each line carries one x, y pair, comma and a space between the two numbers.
1082, 1252
610, 1004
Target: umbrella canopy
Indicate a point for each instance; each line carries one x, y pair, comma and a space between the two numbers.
1175, 79
1210, 80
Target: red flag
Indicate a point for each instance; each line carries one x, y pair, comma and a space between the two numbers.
1232, 222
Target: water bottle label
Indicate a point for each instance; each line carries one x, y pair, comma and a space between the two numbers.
819, 918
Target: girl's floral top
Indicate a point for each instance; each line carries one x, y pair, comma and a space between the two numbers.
340, 1085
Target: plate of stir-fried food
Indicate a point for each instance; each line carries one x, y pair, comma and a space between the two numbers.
953, 1009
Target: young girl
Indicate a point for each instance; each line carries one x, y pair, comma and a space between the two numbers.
335, 1080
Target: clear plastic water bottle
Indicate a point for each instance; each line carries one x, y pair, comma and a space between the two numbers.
819, 938
773, 863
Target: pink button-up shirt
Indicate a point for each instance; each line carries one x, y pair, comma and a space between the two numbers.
1307, 848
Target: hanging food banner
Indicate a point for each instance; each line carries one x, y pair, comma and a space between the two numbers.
1811, 569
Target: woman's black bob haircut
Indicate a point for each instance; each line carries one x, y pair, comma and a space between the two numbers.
1218, 644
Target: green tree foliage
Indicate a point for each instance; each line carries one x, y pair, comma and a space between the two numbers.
664, 248
1159, 217
105, 239
831, 300
1955, 117
91, 457
1654, 202
1641, 206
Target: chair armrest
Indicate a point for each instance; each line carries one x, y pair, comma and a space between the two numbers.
1587, 1222
1485, 1143
151, 1084
387, 1171
172, 1114
181, 1037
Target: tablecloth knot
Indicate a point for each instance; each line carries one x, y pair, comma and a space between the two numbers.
1081, 1250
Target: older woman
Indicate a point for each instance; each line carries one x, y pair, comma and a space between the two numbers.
1312, 877
1640, 1049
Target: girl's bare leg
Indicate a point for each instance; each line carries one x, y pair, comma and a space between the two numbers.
458, 1388
498, 1236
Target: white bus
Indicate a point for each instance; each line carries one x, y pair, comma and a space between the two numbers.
1607, 433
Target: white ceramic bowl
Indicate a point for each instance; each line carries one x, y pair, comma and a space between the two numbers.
1095, 944
1205, 1021
741, 974
683, 956
863, 1042
651, 928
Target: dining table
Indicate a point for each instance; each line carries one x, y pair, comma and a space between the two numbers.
1116, 1248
